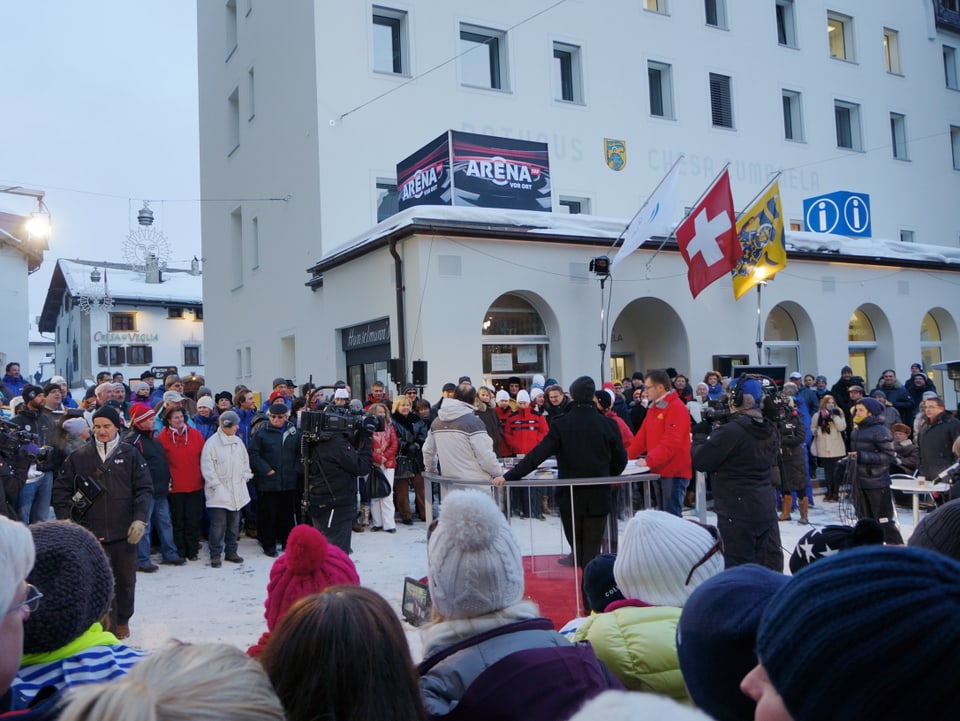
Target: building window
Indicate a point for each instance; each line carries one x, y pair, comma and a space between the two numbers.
254, 242
721, 105
191, 355
515, 341
931, 348
786, 24
792, 116
122, 322
236, 247
573, 205
198, 314
567, 73
660, 78
233, 121
388, 200
847, 117
656, 6
483, 57
840, 36
950, 67
110, 355
716, 12
251, 101
390, 41
898, 136
955, 146
247, 361
174, 312
907, 236
231, 27
139, 355
891, 50
239, 363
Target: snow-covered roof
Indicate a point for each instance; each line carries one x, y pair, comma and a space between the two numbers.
177, 287
527, 223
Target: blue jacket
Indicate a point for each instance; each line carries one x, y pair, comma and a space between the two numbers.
873, 442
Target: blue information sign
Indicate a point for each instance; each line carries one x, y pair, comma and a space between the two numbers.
842, 213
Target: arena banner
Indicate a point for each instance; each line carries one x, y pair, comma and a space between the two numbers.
467, 169
423, 178
493, 172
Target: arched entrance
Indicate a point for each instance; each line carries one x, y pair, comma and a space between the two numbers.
648, 333
788, 338
515, 340
869, 343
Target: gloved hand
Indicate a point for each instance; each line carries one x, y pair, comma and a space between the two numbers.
29, 450
135, 532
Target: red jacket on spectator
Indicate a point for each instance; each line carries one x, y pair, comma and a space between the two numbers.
183, 451
385, 445
525, 429
503, 416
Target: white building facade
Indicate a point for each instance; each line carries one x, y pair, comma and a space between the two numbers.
305, 107
20, 255
144, 324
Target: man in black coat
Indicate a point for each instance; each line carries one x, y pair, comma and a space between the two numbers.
274, 451
587, 444
116, 513
333, 467
33, 504
740, 455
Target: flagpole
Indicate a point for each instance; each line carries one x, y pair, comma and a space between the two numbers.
686, 215
759, 195
645, 202
759, 333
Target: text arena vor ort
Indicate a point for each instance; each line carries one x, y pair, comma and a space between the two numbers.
501, 172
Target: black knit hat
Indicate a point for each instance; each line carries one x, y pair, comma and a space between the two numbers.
940, 530
828, 540
110, 414
582, 390
74, 576
599, 585
865, 634
223, 395
716, 636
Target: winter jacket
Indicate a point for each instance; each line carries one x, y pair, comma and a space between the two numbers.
553, 412
906, 457
638, 644
665, 438
739, 455
873, 443
183, 451
936, 443
384, 446
225, 466
207, 425
459, 442
828, 434
126, 483
156, 459
468, 663
14, 384
411, 435
524, 430
487, 414
626, 435
332, 470
247, 421
503, 418
278, 450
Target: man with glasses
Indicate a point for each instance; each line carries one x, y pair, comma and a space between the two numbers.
740, 455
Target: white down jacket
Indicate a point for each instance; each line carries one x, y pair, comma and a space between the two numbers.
226, 470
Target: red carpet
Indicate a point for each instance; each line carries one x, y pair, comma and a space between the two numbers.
554, 588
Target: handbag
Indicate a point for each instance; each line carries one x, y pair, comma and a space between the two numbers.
377, 483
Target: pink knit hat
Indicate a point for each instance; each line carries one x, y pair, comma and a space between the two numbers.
310, 565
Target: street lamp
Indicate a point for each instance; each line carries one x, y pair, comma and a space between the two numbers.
39, 225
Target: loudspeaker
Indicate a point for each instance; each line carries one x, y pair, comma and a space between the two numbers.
395, 368
419, 373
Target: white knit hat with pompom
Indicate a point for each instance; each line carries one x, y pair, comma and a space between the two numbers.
474, 561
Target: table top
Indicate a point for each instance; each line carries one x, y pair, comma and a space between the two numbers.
908, 484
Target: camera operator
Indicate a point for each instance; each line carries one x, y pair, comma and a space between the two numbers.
105, 486
337, 453
37, 459
739, 455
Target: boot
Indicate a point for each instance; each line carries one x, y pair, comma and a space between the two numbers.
786, 506
545, 505
364, 515
804, 507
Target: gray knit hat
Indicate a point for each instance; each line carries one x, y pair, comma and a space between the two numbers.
74, 576
660, 552
940, 530
473, 558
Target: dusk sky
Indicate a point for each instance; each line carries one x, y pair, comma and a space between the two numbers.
100, 111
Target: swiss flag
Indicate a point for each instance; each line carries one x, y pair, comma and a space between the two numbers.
708, 237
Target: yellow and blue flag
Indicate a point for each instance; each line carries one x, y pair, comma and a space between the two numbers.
760, 232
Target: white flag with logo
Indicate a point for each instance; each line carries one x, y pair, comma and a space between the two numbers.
655, 218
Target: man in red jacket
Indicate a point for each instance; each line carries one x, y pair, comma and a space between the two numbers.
665, 439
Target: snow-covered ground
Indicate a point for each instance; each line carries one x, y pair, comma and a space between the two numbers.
198, 603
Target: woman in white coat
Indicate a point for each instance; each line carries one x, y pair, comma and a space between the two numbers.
828, 446
226, 469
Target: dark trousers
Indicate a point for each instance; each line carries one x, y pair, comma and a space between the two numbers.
123, 562
336, 525
275, 517
224, 528
185, 512
588, 530
401, 496
877, 503
745, 542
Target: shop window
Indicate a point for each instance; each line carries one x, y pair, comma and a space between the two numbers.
515, 342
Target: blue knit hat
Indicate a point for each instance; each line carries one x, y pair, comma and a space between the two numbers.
599, 585
717, 634
828, 540
873, 405
869, 633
